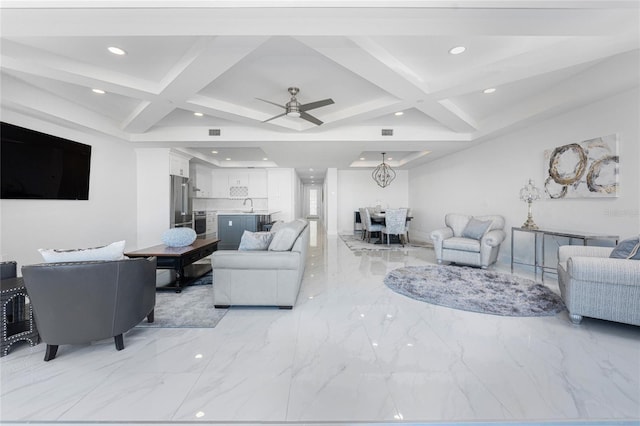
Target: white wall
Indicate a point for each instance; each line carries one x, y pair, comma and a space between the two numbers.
356, 188
109, 215
331, 203
283, 191
487, 178
154, 193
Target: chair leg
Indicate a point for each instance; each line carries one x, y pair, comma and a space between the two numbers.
119, 342
151, 316
50, 352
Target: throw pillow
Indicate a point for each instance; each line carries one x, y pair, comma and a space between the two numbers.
255, 241
286, 235
475, 229
113, 251
627, 249
178, 237
277, 225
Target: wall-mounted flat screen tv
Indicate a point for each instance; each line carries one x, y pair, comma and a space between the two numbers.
35, 165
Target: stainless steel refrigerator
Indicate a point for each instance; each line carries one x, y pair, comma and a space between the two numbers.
181, 209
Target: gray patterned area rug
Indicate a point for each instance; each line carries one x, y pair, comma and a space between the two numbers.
192, 308
475, 290
355, 243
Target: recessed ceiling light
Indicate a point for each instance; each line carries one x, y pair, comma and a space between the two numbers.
265, 159
310, 177
489, 90
228, 159
389, 158
214, 152
198, 114
399, 113
457, 50
310, 169
362, 158
98, 91
116, 50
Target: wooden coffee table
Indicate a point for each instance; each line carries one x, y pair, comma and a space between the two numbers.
177, 258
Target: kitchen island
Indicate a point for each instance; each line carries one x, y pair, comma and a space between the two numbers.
233, 223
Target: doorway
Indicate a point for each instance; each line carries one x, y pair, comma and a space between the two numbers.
313, 201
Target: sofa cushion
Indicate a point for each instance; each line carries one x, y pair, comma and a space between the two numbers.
285, 236
113, 251
255, 240
627, 249
459, 243
475, 228
178, 237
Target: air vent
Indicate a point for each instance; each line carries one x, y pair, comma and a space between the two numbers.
387, 132
214, 132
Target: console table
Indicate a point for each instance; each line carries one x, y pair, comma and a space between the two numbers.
17, 315
539, 241
177, 258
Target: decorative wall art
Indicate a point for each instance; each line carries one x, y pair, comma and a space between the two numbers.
583, 170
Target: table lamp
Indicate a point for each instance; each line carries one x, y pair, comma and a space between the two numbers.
529, 193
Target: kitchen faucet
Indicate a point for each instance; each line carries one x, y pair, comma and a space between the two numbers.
244, 203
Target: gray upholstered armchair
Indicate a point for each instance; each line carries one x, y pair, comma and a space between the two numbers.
594, 285
469, 240
79, 302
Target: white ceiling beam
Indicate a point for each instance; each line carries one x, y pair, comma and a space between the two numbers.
203, 63
377, 65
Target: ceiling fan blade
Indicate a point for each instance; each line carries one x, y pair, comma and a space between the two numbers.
277, 116
316, 104
310, 118
269, 102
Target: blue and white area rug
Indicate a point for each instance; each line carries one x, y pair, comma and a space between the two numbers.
192, 308
475, 290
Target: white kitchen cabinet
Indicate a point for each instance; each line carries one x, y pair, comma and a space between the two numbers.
258, 184
202, 181
219, 184
238, 179
178, 165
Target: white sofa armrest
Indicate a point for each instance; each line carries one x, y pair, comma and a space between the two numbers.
565, 252
441, 234
604, 270
493, 238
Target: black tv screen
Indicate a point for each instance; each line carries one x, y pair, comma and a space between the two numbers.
35, 165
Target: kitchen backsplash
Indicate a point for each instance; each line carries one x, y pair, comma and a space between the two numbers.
225, 204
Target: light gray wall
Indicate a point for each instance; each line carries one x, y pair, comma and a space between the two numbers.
109, 215
487, 178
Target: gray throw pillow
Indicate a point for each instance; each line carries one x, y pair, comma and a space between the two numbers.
252, 241
476, 229
627, 249
286, 235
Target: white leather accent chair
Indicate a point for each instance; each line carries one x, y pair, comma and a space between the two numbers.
594, 285
451, 244
260, 277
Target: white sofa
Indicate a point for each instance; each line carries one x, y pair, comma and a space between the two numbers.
451, 244
260, 277
594, 285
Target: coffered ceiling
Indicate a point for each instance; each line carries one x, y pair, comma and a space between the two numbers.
372, 58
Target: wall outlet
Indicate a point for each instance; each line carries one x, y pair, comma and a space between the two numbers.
230, 223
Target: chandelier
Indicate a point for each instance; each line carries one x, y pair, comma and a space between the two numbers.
383, 174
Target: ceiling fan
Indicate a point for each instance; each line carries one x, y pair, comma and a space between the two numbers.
293, 108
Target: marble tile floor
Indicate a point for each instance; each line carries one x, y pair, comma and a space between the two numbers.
351, 351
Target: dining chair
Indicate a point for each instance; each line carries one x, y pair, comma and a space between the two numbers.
369, 227
406, 228
395, 224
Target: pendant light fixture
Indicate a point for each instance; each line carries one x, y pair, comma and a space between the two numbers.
383, 174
